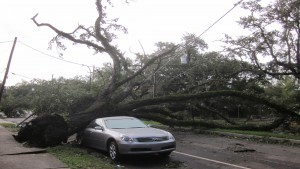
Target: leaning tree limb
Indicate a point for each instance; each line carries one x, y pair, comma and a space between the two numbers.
208, 124
204, 95
207, 109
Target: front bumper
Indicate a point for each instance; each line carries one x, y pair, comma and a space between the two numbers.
146, 147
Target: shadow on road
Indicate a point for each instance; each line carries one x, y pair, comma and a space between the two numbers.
149, 162
152, 161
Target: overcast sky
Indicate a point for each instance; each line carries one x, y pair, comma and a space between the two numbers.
148, 21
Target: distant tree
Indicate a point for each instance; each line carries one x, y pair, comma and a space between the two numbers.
274, 45
286, 92
15, 101
60, 96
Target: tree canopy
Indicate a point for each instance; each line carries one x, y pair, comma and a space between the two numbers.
274, 45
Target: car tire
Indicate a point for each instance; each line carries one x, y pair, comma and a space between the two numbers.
113, 151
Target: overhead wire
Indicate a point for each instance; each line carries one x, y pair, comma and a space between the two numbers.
234, 6
6, 41
21, 76
54, 57
39, 51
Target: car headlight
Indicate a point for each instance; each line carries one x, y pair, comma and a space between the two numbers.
170, 136
127, 139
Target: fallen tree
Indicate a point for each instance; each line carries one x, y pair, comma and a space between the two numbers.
51, 130
113, 99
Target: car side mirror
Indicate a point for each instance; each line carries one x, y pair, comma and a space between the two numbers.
99, 128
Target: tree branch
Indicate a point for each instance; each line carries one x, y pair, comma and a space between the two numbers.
151, 61
68, 36
204, 95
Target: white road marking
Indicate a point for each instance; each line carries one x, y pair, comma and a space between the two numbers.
215, 161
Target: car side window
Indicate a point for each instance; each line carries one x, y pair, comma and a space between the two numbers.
98, 123
95, 123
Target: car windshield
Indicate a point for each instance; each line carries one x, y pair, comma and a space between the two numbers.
124, 123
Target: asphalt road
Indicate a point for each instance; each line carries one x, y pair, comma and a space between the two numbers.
198, 151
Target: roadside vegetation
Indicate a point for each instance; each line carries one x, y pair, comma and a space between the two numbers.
261, 133
77, 158
265, 134
10, 126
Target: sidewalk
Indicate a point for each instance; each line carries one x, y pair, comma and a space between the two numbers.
14, 155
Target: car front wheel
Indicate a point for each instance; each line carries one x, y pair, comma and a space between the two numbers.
113, 151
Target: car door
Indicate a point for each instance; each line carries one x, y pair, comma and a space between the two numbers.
88, 134
97, 136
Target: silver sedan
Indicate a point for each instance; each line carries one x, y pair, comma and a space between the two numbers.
126, 135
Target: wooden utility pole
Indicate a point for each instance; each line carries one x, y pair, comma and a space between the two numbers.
7, 68
154, 85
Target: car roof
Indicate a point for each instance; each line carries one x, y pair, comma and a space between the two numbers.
114, 117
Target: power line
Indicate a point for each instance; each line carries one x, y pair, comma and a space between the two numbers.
6, 41
15, 74
235, 5
21, 75
48, 54
54, 57
39, 51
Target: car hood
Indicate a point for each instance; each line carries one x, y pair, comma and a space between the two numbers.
142, 132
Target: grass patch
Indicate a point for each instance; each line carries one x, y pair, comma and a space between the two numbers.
10, 126
150, 122
156, 124
78, 158
261, 133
